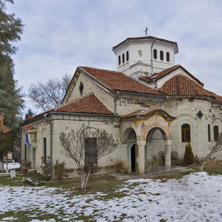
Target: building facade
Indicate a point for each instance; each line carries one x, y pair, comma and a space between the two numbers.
150, 105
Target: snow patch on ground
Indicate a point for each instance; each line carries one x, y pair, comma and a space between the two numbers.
196, 197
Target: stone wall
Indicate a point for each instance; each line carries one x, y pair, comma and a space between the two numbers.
185, 111
66, 123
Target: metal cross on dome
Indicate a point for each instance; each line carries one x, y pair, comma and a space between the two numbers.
146, 31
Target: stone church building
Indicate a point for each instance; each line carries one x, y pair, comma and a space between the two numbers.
152, 106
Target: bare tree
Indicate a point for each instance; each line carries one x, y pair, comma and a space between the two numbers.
86, 146
216, 148
50, 94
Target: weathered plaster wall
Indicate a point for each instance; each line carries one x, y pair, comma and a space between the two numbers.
66, 123
184, 110
92, 87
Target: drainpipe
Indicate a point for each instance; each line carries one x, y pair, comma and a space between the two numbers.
154, 39
51, 131
155, 83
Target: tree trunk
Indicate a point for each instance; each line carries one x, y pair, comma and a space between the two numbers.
87, 178
204, 163
82, 179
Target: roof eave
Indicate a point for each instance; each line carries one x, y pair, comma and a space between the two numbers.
139, 94
94, 79
68, 113
136, 39
177, 67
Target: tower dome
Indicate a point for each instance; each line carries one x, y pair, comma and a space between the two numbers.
145, 55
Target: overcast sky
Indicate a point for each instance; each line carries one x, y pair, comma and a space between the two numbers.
60, 35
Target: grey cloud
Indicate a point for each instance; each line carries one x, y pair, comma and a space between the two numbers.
60, 35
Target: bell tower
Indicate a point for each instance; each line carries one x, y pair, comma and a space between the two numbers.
144, 56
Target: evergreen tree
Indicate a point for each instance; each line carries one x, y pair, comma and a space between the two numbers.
188, 155
10, 95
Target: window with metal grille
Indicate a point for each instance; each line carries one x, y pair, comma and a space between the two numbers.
185, 130
25, 155
44, 150
216, 133
90, 151
209, 134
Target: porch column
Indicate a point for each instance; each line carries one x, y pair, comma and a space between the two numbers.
168, 154
141, 156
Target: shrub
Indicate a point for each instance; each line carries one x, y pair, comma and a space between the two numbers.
46, 167
59, 170
188, 155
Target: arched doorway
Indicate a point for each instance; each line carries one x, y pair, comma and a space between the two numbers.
155, 149
134, 157
129, 137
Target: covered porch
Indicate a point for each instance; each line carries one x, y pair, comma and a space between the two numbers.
147, 135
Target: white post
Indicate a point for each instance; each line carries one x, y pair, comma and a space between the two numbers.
141, 155
12, 174
168, 154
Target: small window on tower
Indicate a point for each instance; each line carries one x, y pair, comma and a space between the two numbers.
161, 55
155, 54
119, 58
81, 87
127, 56
123, 58
168, 56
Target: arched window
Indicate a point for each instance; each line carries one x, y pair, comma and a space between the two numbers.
132, 135
168, 56
123, 58
161, 55
127, 56
209, 134
119, 60
155, 54
185, 130
216, 133
81, 87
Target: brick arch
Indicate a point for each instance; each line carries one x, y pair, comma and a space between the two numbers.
156, 123
129, 134
152, 131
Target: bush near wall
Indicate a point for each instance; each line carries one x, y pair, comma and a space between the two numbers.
59, 169
188, 155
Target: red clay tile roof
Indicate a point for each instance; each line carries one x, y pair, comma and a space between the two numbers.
147, 38
141, 112
165, 72
90, 104
28, 127
218, 98
148, 112
118, 81
182, 85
